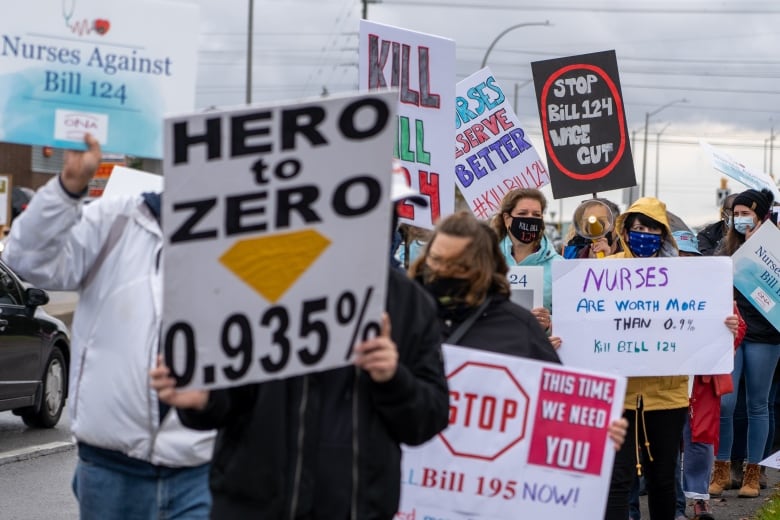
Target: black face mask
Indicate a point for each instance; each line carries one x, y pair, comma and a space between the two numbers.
449, 293
526, 229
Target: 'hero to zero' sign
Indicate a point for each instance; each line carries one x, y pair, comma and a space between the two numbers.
522, 436
583, 124
261, 211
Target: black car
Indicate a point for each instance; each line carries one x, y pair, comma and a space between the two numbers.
34, 354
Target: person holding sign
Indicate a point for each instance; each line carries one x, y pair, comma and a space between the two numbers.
756, 358
465, 272
327, 445
135, 460
655, 406
520, 228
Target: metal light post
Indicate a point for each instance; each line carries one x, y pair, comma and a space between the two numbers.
502, 33
647, 122
250, 30
657, 155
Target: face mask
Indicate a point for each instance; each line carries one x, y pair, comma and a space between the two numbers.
643, 244
526, 229
728, 221
743, 224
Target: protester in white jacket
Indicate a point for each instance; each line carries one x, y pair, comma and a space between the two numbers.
135, 459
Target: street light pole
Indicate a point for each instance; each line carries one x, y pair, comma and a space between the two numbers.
250, 30
502, 33
647, 122
657, 155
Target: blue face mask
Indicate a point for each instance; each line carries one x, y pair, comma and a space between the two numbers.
643, 244
743, 224
729, 221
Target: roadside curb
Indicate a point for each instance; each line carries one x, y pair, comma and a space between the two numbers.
35, 451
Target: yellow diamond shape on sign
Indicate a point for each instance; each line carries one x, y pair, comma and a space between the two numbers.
271, 265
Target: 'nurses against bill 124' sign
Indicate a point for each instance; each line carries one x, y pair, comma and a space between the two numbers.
583, 124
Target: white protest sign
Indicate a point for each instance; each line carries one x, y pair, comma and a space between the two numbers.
277, 231
113, 69
527, 285
493, 155
645, 316
422, 67
772, 461
728, 165
129, 181
532, 440
757, 271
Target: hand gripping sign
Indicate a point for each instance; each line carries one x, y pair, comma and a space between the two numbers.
522, 436
276, 224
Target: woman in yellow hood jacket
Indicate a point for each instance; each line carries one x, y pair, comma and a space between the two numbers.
655, 405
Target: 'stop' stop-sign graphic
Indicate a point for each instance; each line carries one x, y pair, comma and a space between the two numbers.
488, 411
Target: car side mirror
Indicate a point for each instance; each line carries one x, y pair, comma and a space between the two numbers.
36, 297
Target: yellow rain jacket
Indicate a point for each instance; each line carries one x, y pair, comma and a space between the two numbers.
655, 392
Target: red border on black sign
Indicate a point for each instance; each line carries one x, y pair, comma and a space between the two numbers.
621, 122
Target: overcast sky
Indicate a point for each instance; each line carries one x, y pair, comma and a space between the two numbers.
722, 57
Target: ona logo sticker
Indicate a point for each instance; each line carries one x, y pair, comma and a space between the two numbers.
70, 125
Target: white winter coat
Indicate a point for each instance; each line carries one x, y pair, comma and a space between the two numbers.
108, 251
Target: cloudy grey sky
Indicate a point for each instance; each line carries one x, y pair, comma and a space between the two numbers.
721, 56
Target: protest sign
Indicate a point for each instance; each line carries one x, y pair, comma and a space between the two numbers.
527, 285
757, 271
583, 124
534, 441
645, 316
493, 155
128, 181
262, 212
422, 67
772, 461
109, 68
728, 165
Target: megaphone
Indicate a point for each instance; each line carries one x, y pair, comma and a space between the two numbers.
593, 220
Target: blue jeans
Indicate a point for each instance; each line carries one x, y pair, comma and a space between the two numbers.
697, 466
757, 361
110, 488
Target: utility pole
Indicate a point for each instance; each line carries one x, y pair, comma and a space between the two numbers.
250, 30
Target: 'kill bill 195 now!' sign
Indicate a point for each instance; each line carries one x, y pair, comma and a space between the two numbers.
583, 124
262, 210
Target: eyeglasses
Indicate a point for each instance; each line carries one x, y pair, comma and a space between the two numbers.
445, 265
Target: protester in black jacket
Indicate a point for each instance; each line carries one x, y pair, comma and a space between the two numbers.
710, 237
326, 446
465, 271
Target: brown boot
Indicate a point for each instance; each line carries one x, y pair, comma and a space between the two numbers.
762, 478
721, 477
750, 487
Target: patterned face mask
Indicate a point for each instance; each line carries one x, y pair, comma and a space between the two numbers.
526, 229
643, 244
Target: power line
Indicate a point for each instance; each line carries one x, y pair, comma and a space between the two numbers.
708, 9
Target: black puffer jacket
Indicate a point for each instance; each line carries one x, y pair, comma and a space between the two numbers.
272, 436
506, 328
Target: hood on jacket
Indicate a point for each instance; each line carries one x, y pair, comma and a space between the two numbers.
656, 210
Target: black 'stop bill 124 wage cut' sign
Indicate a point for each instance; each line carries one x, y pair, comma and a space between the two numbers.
583, 124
